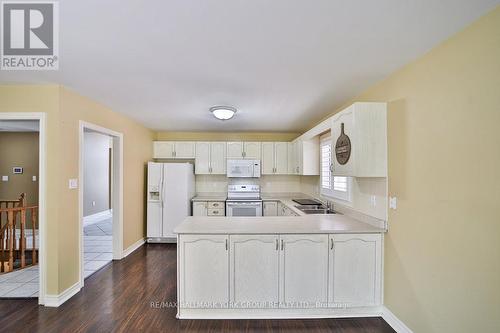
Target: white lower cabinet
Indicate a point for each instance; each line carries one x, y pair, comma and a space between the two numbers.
268, 274
355, 270
204, 271
200, 208
254, 271
304, 271
270, 208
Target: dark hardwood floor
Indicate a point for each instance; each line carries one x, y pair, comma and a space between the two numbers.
120, 298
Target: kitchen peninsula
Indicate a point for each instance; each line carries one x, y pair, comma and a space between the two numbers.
306, 266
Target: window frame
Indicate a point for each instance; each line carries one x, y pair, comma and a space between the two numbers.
345, 197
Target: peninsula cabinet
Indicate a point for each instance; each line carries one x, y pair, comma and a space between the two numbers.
365, 125
270, 208
210, 158
174, 149
274, 158
275, 275
204, 271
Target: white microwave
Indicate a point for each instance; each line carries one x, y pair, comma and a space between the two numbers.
243, 168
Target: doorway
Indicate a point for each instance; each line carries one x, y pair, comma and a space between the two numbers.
100, 198
22, 206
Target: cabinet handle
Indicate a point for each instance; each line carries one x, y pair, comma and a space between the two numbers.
331, 243
216, 204
277, 244
214, 212
282, 246
331, 167
226, 244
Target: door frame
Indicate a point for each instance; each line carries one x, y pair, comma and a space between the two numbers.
42, 191
117, 190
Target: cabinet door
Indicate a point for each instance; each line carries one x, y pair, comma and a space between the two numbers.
202, 160
304, 270
254, 275
281, 158
291, 158
218, 158
355, 267
252, 150
267, 163
281, 209
346, 117
184, 149
234, 150
204, 271
270, 208
199, 208
163, 149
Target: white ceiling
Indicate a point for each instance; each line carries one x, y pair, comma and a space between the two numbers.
283, 64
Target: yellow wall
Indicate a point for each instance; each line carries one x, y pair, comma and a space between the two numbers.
19, 149
442, 252
64, 110
226, 136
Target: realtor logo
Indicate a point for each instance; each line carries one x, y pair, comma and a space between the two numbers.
29, 35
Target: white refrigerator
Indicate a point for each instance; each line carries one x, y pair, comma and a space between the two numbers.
171, 187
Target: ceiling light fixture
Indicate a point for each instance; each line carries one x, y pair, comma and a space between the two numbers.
223, 112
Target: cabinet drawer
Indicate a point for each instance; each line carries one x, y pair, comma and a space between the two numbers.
215, 204
216, 212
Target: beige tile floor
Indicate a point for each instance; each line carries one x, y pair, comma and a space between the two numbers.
97, 252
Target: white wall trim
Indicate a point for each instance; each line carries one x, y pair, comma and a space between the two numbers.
42, 191
117, 190
97, 217
133, 247
57, 300
394, 321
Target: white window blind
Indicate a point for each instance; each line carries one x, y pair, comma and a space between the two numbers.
332, 186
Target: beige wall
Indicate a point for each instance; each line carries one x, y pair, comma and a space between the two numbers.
225, 136
19, 149
64, 109
96, 173
442, 252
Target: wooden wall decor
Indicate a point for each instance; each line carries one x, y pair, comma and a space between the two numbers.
343, 147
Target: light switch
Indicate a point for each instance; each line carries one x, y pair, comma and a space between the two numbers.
5, 178
34, 178
73, 183
393, 202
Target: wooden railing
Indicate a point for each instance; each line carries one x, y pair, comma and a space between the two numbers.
14, 214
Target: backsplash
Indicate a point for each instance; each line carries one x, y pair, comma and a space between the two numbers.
269, 184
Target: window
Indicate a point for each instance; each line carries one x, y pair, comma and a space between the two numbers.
332, 186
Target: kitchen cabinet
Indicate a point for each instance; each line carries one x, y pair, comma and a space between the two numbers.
355, 270
205, 275
209, 208
366, 126
243, 150
283, 210
174, 149
210, 158
303, 157
253, 271
274, 158
270, 208
304, 270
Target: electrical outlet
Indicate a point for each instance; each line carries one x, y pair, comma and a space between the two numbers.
373, 200
393, 202
73, 184
93, 203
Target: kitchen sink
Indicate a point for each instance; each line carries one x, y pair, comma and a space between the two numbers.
314, 209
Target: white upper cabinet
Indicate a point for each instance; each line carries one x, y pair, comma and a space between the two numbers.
246, 150
364, 126
254, 274
355, 270
274, 158
303, 157
174, 149
304, 270
235, 150
210, 158
251, 150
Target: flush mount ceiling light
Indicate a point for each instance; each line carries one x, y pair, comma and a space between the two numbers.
223, 112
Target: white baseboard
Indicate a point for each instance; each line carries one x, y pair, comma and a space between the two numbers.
133, 247
97, 217
57, 300
394, 321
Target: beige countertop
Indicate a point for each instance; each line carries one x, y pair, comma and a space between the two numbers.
210, 196
309, 224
